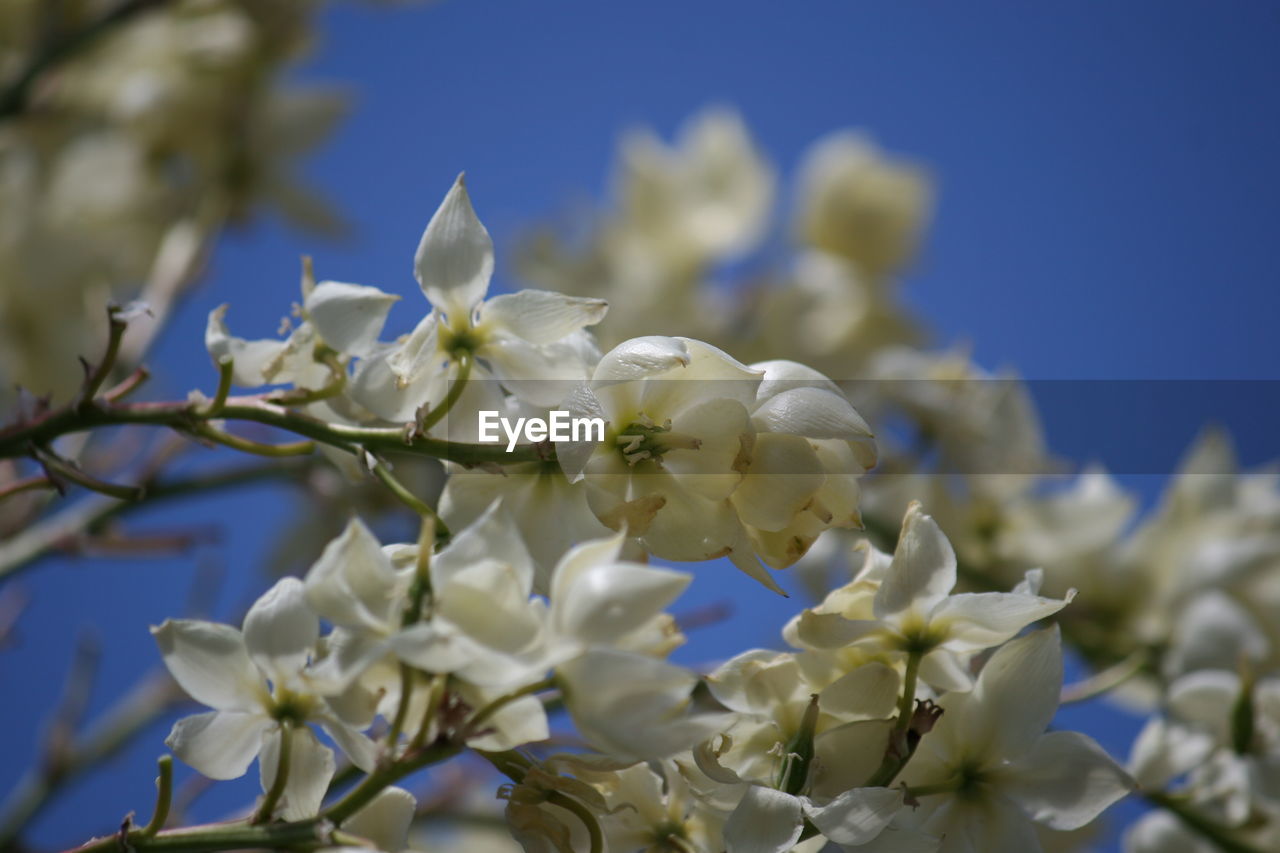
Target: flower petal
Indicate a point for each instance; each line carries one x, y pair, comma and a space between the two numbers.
856, 816
280, 629
210, 662
1014, 699
607, 602
541, 316
923, 570
454, 261
980, 620
353, 584
219, 744
349, 317
765, 821
385, 819
1066, 781
311, 766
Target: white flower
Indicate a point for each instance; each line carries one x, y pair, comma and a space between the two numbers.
857, 203
988, 768
810, 448
258, 685
346, 318
705, 198
531, 341
914, 613
633, 706
678, 439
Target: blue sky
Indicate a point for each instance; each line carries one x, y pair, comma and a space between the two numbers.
1108, 198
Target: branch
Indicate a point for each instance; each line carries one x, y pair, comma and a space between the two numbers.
183, 416
56, 531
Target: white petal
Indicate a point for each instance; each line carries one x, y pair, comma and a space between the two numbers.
868, 692
353, 584
607, 602
780, 482
1015, 697
542, 316
493, 536
419, 353
209, 661
362, 751
813, 413
515, 724
634, 706
980, 620
280, 629
454, 261
349, 317
1164, 751
641, 357
765, 821
856, 816
311, 766
848, 755
219, 744
541, 375
375, 387
251, 358
1067, 780
385, 819
923, 570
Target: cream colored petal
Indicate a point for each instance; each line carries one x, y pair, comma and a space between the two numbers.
349, 317
210, 662
541, 316
219, 744
454, 261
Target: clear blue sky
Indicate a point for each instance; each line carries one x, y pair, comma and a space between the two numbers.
1109, 193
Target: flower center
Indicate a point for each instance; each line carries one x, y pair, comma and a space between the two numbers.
643, 439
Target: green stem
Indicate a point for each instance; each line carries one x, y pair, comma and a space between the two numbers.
363, 793
15, 441
281, 780
254, 448
164, 796
402, 707
505, 699
93, 382
455, 391
382, 471
583, 814
907, 703
899, 750
226, 374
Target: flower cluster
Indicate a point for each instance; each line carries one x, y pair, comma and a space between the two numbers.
450, 647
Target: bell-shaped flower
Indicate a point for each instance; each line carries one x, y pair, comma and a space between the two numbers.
914, 613
677, 442
810, 448
988, 769
531, 341
258, 683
